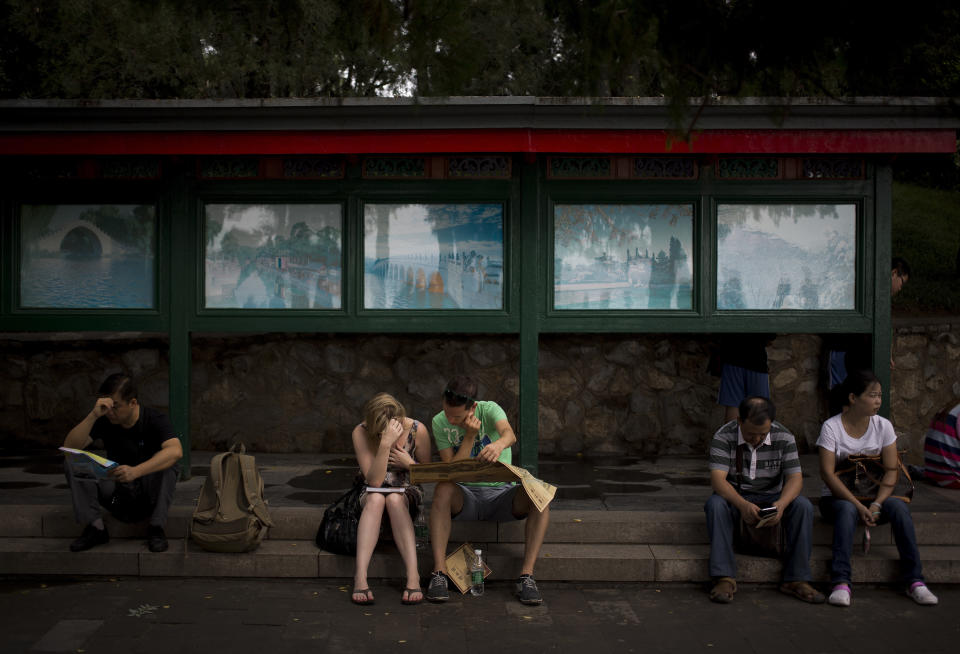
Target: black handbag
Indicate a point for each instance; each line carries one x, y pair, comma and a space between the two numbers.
759, 541
863, 473
338, 528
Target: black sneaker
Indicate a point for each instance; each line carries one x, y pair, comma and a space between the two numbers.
527, 591
91, 537
437, 590
156, 539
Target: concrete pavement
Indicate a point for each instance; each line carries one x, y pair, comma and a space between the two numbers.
133, 615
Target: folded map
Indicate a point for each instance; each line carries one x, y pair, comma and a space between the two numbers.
539, 491
88, 464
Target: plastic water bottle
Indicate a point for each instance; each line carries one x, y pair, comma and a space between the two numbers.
476, 574
420, 530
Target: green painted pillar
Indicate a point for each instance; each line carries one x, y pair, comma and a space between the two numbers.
528, 256
882, 254
181, 291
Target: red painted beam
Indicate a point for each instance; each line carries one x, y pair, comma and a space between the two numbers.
474, 141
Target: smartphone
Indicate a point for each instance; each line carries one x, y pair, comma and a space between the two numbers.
766, 512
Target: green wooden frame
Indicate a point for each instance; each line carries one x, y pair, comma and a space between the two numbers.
528, 199
16, 318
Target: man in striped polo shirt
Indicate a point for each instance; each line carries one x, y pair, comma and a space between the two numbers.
754, 464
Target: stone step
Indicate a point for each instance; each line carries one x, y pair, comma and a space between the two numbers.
558, 562
566, 526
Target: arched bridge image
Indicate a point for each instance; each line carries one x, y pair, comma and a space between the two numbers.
80, 238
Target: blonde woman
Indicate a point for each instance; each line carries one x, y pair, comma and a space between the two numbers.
386, 444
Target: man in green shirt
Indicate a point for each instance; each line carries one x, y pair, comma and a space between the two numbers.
471, 429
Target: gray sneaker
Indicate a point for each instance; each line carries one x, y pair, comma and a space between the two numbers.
527, 590
437, 590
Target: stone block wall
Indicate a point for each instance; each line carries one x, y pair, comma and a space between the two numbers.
925, 378
600, 395
650, 394
49, 382
305, 392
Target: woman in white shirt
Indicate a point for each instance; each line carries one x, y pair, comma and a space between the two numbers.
859, 430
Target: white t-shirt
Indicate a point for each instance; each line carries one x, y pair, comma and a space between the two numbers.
834, 438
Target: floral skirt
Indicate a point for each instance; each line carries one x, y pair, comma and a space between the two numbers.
414, 495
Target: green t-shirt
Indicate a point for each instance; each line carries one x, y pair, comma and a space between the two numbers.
489, 413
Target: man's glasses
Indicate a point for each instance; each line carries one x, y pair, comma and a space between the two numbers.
456, 398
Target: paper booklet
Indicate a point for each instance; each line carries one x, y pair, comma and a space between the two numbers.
539, 491
458, 567
87, 463
384, 489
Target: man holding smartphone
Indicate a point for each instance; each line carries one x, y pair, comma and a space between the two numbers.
755, 475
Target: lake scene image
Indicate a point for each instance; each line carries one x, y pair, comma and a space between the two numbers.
786, 256
618, 256
273, 256
88, 256
433, 256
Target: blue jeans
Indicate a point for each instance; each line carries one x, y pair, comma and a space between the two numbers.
844, 517
797, 521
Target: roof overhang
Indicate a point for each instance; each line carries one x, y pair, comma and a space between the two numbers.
477, 124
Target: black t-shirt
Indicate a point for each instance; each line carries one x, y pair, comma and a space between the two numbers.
135, 445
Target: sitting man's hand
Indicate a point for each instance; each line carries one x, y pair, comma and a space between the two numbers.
126, 474
102, 407
491, 453
775, 520
750, 513
471, 424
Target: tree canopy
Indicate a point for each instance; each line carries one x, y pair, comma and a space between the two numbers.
340, 48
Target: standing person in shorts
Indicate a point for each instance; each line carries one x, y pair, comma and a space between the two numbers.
465, 429
743, 370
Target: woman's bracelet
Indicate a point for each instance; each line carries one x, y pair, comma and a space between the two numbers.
876, 504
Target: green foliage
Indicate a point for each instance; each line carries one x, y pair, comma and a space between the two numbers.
926, 232
313, 48
934, 171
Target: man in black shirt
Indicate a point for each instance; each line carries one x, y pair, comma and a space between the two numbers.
142, 442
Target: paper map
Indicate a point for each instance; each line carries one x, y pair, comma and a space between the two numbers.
458, 567
87, 463
540, 492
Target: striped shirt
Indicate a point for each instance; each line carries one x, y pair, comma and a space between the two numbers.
773, 461
941, 450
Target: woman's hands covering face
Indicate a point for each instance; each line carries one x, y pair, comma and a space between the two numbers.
392, 433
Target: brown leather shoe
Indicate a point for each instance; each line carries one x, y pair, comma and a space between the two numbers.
723, 590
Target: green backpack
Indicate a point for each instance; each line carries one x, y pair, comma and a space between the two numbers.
231, 514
